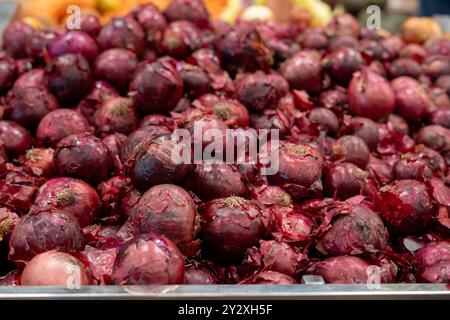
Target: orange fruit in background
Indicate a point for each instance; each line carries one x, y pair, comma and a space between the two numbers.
419, 29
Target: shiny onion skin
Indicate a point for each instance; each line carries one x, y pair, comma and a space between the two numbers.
54, 268
303, 71
16, 138
199, 275
71, 196
164, 209
76, 42
344, 180
37, 233
370, 95
83, 156
148, 259
230, 226
351, 149
122, 32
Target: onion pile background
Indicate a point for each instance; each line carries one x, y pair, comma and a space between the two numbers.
89, 193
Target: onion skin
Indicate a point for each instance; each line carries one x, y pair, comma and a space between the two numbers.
342, 63
405, 205
358, 232
365, 129
229, 227
54, 268
101, 263
37, 233
59, 124
435, 137
164, 209
290, 226
69, 196
152, 22
17, 39
343, 270
210, 181
16, 138
83, 156
162, 97
370, 95
270, 195
32, 78
269, 277
180, 39
90, 24
148, 259
7, 72
433, 262
232, 112
441, 117
39, 161
191, 10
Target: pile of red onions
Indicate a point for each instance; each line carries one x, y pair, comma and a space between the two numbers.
91, 194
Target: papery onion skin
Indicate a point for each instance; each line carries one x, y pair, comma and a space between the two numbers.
343, 270
37, 233
433, 262
229, 227
269, 277
54, 268
148, 259
71, 196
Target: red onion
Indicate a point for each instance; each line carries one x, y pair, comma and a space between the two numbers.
59, 124
353, 150
122, 32
269, 277
7, 72
69, 196
53, 268
440, 117
198, 275
303, 71
342, 63
325, 119
16, 138
433, 262
101, 263
148, 259
29, 105
152, 22
195, 81
229, 227
405, 67
90, 24
270, 195
405, 205
191, 10
32, 78
370, 95
156, 87
344, 180
37, 233
116, 115
76, 42
39, 161
116, 66
180, 38
17, 39
83, 156
69, 78
343, 270
165, 209
435, 137
210, 181
436, 66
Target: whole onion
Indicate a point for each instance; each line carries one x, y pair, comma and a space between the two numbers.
232, 112
16, 138
303, 71
180, 39
370, 95
433, 262
164, 209
76, 42
54, 268
83, 156
37, 233
7, 72
29, 105
343, 270
435, 137
69, 196
210, 181
122, 32
270, 195
154, 164
258, 91
156, 87
152, 22
17, 39
32, 78
191, 10
351, 149
90, 24
344, 180
405, 205
440, 117
230, 226
148, 259
365, 129
116, 115
342, 63
58, 124
359, 231
199, 275
116, 66
69, 78
39, 161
